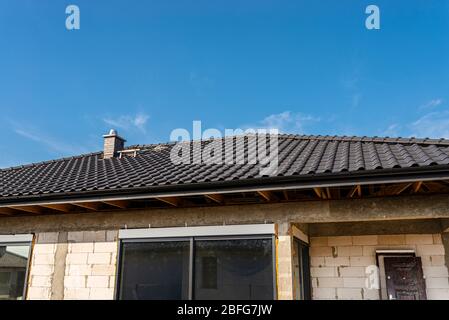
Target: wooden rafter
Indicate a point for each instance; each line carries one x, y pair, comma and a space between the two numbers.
29, 209
267, 195
356, 189
7, 211
58, 207
218, 198
402, 188
122, 204
328, 193
87, 205
318, 192
417, 186
174, 201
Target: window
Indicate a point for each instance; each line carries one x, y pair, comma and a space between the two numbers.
155, 270
14, 258
209, 266
233, 269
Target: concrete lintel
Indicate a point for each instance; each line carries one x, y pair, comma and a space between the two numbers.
375, 209
375, 227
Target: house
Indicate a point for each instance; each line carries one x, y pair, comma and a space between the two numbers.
342, 218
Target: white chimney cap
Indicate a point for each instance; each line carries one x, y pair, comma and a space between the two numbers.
112, 132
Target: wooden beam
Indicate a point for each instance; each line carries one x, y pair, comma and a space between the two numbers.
355, 189
58, 207
87, 205
318, 192
122, 204
174, 201
218, 198
267, 195
402, 188
29, 209
328, 193
285, 193
8, 211
417, 186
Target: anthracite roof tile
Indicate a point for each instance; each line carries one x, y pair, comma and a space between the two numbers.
152, 167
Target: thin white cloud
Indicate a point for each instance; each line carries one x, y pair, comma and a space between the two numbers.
393, 130
431, 125
129, 122
46, 140
432, 103
288, 122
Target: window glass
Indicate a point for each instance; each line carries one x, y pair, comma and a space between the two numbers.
13, 266
155, 270
233, 269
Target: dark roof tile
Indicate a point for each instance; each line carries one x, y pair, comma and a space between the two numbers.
298, 155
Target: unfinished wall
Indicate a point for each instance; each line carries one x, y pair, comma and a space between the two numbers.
74, 253
338, 264
91, 264
73, 265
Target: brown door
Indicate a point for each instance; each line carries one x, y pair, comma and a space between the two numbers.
404, 278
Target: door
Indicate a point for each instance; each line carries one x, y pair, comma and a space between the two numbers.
404, 278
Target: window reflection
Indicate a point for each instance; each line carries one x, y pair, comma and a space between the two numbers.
234, 269
214, 269
155, 270
13, 265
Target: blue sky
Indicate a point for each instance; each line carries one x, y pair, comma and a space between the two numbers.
148, 67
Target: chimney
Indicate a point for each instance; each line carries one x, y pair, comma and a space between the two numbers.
112, 144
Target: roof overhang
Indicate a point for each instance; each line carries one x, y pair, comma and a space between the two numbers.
344, 179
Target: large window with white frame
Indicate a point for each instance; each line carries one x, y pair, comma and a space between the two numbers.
226, 262
14, 257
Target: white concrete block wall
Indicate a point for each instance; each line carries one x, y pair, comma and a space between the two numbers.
338, 264
91, 264
284, 272
42, 266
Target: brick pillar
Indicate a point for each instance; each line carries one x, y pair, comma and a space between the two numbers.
445, 240
284, 264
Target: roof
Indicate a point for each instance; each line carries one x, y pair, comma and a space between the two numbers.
300, 157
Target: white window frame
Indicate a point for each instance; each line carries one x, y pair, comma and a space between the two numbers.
201, 231
20, 240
